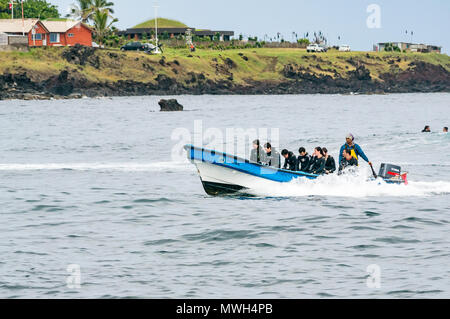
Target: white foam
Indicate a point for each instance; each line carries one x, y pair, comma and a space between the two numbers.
352, 186
98, 166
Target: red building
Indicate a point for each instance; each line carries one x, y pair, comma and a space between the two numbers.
67, 33
48, 33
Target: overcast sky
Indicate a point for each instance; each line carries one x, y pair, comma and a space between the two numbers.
428, 19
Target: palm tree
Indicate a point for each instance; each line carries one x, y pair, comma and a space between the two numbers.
101, 25
80, 10
85, 10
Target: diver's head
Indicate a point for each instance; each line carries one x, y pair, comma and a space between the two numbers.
347, 154
302, 151
318, 152
349, 138
268, 147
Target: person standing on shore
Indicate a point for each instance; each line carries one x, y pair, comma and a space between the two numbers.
354, 149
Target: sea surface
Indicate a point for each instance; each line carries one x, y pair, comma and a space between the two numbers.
98, 201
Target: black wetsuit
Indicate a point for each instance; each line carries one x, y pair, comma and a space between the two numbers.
330, 164
352, 162
318, 166
303, 162
273, 158
257, 155
291, 162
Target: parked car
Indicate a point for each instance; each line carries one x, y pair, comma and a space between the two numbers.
96, 45
344, 48
316, 48
133, 46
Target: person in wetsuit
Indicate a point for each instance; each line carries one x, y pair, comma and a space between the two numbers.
347, 160
426, 129
330, 163
318, 164
272, 157
303, 160
355, 149
257, 153
290, 160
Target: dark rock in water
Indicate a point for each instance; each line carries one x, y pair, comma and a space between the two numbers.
170, 105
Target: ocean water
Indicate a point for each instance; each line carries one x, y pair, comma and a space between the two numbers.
94, 204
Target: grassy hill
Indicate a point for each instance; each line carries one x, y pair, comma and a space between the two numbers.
262, 70
162, 23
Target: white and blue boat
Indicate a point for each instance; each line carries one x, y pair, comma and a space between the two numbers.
223, 174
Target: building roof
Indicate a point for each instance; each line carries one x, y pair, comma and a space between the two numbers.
162, 22
16, 25
59, 26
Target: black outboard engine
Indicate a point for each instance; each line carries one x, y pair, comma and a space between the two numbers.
392, 173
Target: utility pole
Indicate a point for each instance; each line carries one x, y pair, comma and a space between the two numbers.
157, 51
23, 22
11, 6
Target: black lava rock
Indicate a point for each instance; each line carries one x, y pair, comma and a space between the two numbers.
170, 105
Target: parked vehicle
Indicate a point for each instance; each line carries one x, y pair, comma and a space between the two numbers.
96, 45
316, 48
344, 48
133, 46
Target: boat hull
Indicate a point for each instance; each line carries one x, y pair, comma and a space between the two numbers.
221, 173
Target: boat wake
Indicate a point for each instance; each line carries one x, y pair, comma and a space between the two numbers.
350, 186
124, 167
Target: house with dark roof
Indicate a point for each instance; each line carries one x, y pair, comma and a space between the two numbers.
173, 29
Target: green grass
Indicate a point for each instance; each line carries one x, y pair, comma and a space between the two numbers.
264, 64
162, 23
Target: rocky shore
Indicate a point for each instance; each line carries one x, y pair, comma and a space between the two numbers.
291, 78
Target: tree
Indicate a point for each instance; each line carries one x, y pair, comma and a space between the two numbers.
80, 10
85, 10
40, 9
217, 37
303, 42
102, 24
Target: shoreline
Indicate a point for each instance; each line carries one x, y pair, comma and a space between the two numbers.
74, 72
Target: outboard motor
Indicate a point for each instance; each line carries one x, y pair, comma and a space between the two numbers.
392, 173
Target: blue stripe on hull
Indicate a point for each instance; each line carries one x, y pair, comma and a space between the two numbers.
243, 165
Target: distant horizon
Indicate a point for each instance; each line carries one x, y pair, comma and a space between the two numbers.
341, 24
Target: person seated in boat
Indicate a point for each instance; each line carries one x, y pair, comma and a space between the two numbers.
354, 148
330, 163
303, 159
317, 166
272, 157
290, 160
257, 153
347, 160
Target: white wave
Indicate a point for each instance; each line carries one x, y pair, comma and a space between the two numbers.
98, 166
352, 186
